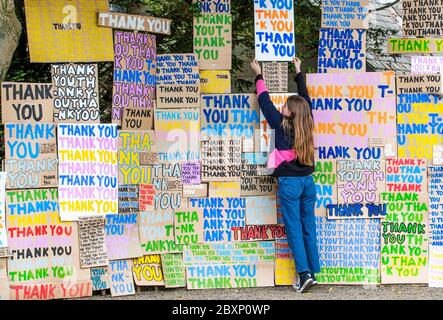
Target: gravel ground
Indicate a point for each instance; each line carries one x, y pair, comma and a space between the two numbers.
320, 292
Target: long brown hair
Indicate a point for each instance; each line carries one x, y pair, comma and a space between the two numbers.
300, 127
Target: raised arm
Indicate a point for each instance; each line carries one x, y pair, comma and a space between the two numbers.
301, 84
272, 115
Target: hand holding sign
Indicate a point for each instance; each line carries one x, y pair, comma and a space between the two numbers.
256, 66
297, 63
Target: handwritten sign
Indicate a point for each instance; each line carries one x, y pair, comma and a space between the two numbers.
406, 175
437, 154
342, 50
325, 178
419, 126
349, 251
230, 276
350, 108
181, 125
261, 210
147, 271
138, 119
26, 102
423, 83
426, 64
3, 229
435, 190
274, 30
195, 190
215, 81
174, 271
213, 41
122, 283
93, 251
259, 233
136, 152
178, 81
75, 92
4, 288
191, 172
345, 14
157, 232
134, 22
128, 199
122, 236
67, 31
422, 18
275, 75
220, 215
412, 45
45, 260
188, 226
30, 155
100, 279
254, 176
88, 170
285, 272
134, 73
146, 197
214, 6
224, 189
221, 159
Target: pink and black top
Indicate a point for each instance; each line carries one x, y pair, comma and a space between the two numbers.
282, 159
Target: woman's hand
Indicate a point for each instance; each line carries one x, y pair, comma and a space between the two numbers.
256, 67
297, 64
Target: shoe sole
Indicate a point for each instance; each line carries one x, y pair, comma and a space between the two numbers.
306, 285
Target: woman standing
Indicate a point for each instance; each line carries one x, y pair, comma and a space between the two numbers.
293, 163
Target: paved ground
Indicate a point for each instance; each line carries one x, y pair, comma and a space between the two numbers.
320, 292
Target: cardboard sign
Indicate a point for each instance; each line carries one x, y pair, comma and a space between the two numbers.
91, 231
229, 253
261, 210
122, 236
174, 271
422, 18
4, 287
122, 283
285, 272
75, 92
345, 14
215, 81
88, 170
67, 31
178, 81
213, 41
407, 175
191, 172
136, 152
274, 30
45, 260
423, 83
100, 279
435, 190
259, 233
414, 45
342, 50
230, 115
349, 251
128, 199
426, 64
213, 6
133, 22
147, 271
157, 232
416, 141
437, 155
146, 197
254, 176
350, 108
221, 159
224, 189
404, 236
325, 178
178, 130
3, 230
195, 190
230, 276
26, 102
138, 119
134, 73
188, 226
220, 215
275, 75
30, 155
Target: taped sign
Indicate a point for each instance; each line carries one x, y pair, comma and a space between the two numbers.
274, 30
178, 81
134, 22
26, 102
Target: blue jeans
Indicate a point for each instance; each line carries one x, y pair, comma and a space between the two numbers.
297, 200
